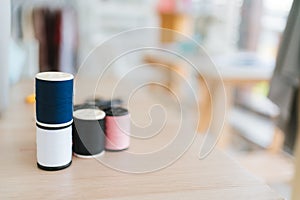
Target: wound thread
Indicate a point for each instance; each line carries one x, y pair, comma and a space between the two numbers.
117, 129
88, 132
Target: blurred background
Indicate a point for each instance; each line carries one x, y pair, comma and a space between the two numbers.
242, 38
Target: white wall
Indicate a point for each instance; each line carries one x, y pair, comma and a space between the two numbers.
4, 52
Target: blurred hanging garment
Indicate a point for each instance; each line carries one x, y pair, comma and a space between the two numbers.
56, 31
40, 30
69, 38
285, 80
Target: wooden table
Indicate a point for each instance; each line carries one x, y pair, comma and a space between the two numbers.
217, 81
216, 177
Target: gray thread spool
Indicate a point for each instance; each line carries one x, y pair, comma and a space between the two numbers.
88, 132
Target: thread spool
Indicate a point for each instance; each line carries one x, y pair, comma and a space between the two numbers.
88, 132
104, 104
54, 147
84, 106
54, 99
117, 129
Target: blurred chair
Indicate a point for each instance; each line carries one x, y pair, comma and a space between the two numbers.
173, 25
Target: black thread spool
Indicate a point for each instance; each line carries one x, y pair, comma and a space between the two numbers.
88, 132
84, 106
104, 104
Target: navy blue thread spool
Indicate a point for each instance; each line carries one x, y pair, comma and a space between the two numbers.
54, 116
88, 132
54, 99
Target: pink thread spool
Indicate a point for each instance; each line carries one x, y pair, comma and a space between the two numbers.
117, 129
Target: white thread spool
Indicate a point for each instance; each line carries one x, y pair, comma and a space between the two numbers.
54, 148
